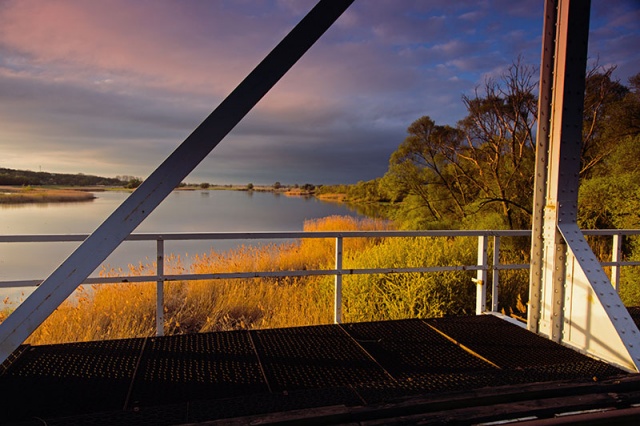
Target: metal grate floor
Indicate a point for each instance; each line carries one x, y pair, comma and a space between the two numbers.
200, 377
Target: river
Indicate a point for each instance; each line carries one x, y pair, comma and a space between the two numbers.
182, 211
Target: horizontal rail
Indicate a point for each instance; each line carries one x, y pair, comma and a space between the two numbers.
264, 235
609, 232
21, 238
281, 274
267, 274
621, 263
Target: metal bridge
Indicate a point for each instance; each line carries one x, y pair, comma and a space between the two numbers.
580, 349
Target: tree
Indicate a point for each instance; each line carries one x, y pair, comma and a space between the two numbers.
133, 183
250, 186
604, 114
499, 155
308, 187
483, 166
422, 168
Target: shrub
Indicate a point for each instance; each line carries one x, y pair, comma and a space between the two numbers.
396, 296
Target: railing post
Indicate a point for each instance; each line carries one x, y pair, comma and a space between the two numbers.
616, 255
160, 287
337, 306
481, 277
495, 278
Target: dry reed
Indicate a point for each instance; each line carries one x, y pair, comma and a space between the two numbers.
128, 310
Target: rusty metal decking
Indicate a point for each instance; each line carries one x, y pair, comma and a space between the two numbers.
224, 375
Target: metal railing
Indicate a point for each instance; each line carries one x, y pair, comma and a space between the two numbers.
483, 266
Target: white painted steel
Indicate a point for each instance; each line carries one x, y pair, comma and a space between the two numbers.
615, 258
481, 276
596, 321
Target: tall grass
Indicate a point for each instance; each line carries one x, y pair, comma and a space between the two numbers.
128, 310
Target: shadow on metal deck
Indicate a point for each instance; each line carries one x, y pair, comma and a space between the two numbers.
463, 368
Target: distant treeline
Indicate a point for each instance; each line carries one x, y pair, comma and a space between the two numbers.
28, 177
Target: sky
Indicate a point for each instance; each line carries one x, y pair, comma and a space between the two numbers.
113, 87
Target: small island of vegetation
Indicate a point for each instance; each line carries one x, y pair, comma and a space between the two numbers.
28, 194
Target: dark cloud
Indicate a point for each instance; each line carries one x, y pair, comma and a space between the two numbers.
113, 88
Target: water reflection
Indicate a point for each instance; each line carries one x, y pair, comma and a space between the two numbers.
182, 211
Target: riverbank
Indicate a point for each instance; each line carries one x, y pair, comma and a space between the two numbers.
28, 194
57, 194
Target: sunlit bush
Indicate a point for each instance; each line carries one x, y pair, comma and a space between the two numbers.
396, 296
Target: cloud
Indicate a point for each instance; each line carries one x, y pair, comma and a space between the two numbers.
113, 87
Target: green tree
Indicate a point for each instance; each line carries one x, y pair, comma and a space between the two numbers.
603, 119
482, 167
612, 200
422, 170
499, 154
133, 183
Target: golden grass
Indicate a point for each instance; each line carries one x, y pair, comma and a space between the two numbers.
27, 194
128, 310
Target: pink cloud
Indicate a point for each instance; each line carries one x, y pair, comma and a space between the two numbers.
156, 44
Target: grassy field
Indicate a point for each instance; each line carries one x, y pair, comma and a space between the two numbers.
28, 194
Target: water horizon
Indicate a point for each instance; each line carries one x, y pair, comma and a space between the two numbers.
181, 212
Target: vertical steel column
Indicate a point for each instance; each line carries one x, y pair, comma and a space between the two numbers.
160, 287
542, 156
563, 165
135, 209
495, 277
337, 303
481, 276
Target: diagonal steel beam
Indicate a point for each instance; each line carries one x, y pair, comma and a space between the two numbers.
108, 236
